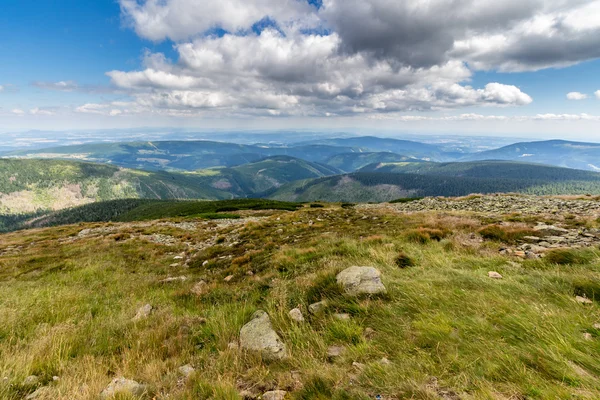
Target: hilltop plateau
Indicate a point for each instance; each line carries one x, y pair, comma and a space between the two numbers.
482, 297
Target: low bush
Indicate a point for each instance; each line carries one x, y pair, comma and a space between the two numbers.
404, 261
505, 234
425, 235
567, 257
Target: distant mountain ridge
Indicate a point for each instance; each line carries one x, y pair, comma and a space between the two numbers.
563, 153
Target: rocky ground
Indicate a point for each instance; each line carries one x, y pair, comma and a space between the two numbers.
493, 205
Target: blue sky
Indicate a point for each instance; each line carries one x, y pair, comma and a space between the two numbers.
280, 64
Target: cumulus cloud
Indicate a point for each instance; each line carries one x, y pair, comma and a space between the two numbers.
39, 111
288, 57
576, 96
18, 111
597, 93
62, 86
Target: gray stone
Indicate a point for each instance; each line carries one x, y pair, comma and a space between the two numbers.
258, 335
532, 239
494, 275
143, 312
186, 370
583, 300
318, 308
123, 386
361, 280
274, 395
335, 351
174, 279
296, 315
31, 380
200, 288
550, 230
38, 393
341, 316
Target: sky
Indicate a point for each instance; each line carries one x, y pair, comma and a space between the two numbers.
511, 67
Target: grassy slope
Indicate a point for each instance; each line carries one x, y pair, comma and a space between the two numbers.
26, 185
67, 303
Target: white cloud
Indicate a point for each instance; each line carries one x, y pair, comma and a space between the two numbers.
62, 86
38, 111
576, 96
597, 93
182, 19
18, 111
480, 117
407, 56
1, 88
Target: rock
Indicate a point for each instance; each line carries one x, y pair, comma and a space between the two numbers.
143, 312
248, 395
532, 239
178, 258
341, 316
318, 308
258, 335
494, 275
369, 333
200, 288
174, 279
38, 393
233, 346
186, 370
123, 386
550, 230
361, 280
55, 378
31, 380
274, 395
296, 315
587, 336
583, 300
384, 362
228, 278
359, 366
205, 263
596, 326
174, 265
335, 351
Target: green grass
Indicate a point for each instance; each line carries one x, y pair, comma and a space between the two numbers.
66, 306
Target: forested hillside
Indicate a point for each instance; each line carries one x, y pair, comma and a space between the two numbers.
377, 187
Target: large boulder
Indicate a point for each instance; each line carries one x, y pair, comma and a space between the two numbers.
123, 386
361, 280
258, 335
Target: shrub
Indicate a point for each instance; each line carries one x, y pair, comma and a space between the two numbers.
325, 286
425, 235
404, 261
348, 205
505, 234
316, 205
586, 288
567, 256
